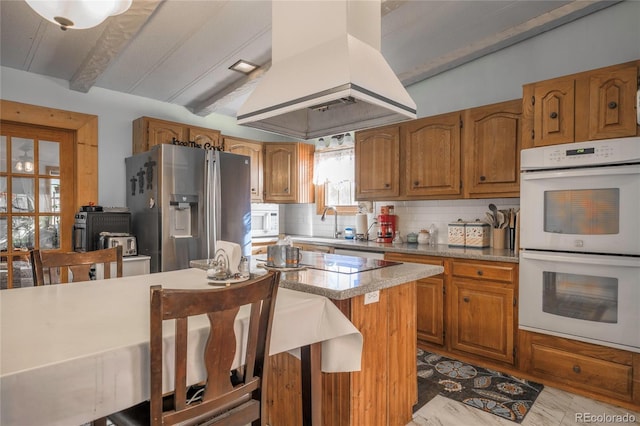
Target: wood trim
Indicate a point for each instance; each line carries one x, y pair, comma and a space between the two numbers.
320, 205
85, 141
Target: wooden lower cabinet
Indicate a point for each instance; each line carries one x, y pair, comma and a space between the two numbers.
383, 392
607, 374
482, 307
469, 311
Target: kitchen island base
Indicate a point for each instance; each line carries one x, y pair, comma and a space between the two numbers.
383, 392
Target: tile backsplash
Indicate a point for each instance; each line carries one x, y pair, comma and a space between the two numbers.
302, 219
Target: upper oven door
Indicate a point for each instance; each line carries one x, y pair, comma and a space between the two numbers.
591, 210
588, 297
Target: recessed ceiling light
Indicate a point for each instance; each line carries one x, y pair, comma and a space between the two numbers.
243, 67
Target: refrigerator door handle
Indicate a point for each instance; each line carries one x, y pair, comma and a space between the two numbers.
212, 203
207, 206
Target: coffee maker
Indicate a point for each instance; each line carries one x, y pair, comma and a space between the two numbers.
386, 225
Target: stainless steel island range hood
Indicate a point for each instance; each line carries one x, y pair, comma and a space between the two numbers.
327, 74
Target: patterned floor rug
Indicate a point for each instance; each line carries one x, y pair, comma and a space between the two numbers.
497, 393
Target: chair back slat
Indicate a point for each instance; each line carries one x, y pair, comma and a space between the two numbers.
51, 267
240, 401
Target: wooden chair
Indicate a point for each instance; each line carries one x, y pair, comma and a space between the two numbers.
228, 399
48, 266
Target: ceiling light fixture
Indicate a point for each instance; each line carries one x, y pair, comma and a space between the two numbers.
78, 14
244, 67
24, 163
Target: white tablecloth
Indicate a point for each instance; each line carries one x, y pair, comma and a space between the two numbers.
75, 352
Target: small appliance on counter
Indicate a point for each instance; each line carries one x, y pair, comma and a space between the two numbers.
387, 228
114, 239
90, 221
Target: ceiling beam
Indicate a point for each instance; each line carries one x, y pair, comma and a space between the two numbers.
238, 88
531, 28
120, 29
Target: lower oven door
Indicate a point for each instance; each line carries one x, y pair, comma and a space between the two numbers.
585, 297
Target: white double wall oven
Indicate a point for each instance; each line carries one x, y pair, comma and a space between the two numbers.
580, 240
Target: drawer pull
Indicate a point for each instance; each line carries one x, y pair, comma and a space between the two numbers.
479, 272
466, 299
577, 369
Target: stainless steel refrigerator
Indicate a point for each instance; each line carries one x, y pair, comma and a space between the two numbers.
184, 199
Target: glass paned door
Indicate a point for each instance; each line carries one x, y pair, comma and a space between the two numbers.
36, 197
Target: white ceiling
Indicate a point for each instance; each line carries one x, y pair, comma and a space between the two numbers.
179, 51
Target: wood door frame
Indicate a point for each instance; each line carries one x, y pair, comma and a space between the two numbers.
85, 141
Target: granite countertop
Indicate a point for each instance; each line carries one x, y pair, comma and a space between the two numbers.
339, 286
442, 250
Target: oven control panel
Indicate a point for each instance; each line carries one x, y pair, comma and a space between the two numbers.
591, 153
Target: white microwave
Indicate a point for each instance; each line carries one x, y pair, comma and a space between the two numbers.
265, 223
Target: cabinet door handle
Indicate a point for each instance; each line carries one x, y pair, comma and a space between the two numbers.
482, 178
386, 185
479, 272
577, 369
416, 183
465, 299
612, 105
286, 189
553, 115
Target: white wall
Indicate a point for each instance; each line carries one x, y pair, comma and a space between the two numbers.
610, 36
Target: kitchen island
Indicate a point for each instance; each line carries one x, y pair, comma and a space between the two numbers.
380, 300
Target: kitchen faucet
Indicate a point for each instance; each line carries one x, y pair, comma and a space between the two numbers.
336, 234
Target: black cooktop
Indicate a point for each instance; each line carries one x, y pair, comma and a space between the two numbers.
339, 263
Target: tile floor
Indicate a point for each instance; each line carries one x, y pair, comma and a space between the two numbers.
553, 407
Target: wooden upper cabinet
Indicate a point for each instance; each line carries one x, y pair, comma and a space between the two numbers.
149, 132
288, 173
612, 96
252, 149
492, 137
597, 104
377, 168
431, 156
554, 112
206, 138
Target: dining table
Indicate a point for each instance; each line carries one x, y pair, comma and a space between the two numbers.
72, 353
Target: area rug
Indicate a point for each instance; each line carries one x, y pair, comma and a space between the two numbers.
492, 391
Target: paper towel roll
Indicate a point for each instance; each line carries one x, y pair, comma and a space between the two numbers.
361, 223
